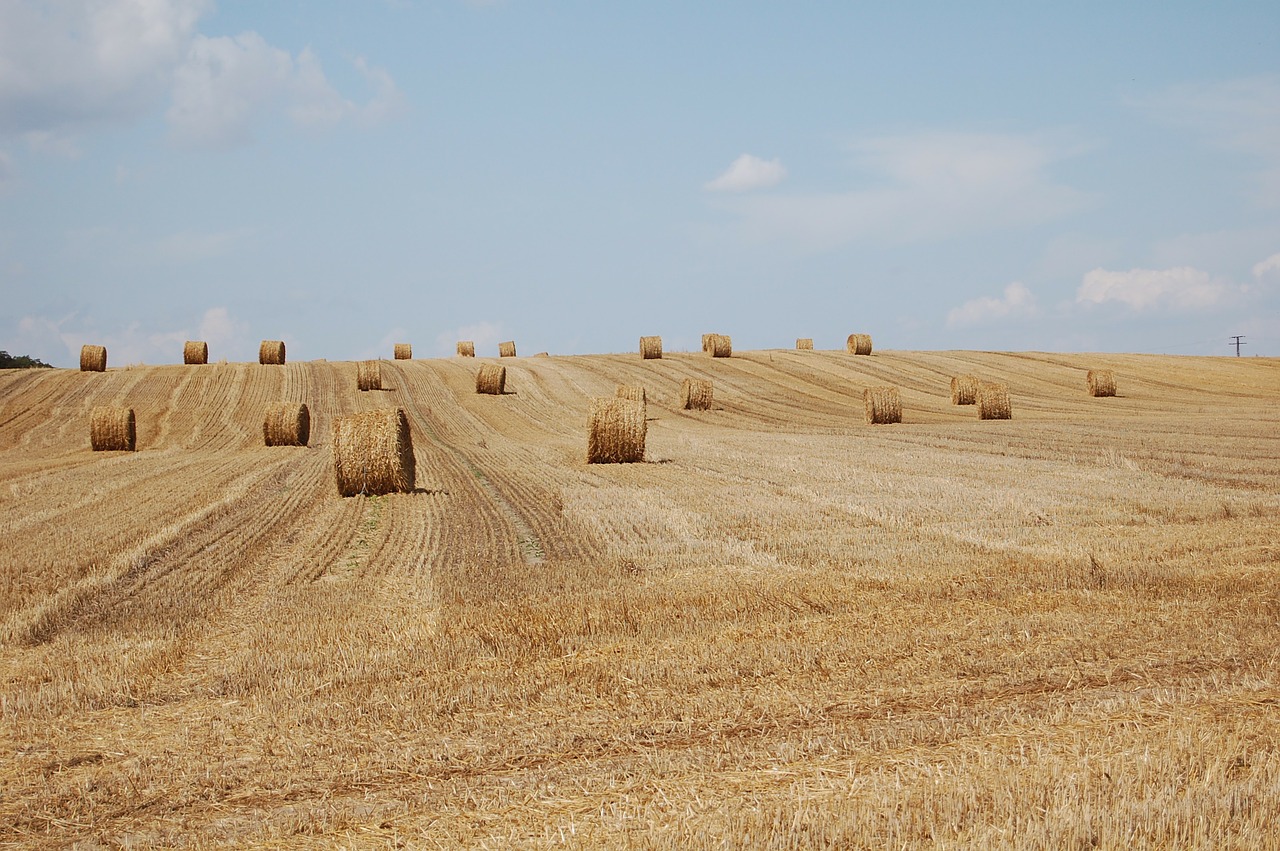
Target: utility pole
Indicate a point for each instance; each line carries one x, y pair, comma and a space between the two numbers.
1237, 338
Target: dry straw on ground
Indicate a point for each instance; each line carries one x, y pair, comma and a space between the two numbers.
1102, 382
466, 349
287, 424
507, 349
373, 453
634, 393
859, 344
369, 375
993, 401
271, 351
404, 351
651, 348
695, 394
112, 429
93, 358
804, 344
491, 379
964, 389
615, 431
883, 404
720, 346
195, 351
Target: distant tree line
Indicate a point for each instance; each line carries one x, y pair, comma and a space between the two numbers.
8, 361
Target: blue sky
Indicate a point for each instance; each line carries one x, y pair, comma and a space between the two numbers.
343, 176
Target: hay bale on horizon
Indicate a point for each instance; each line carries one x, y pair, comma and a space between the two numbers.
404, 351
466, 349
287, 424
695, 394
373, 453
993, 401
651, 348
113, 429
491, 379
615, 431
721, 346
964, 389
804, 344
883, 404
859, 344
271, 352
706, 342
93, 358
507, 349
1102, 382
195, 351
369, 375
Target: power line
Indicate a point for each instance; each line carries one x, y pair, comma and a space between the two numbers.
1237, 338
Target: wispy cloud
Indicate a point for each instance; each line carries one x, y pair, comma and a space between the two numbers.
1180, 288
1264, 267
748, 172
1016, 302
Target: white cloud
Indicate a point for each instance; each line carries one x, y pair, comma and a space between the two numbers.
1180, 288
486, 336
1271, 264
6, 171
1016, 302
60, 339
748, 172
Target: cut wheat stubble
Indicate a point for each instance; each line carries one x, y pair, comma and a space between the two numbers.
93, 358
287, 424
883, 405
373, 453
615, 431
113, 429
491, 380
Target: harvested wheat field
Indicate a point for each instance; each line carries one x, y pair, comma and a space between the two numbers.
786, 629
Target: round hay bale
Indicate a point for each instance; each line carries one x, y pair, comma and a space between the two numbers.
721, 346
634, 392
287, 424
491, 379
804, 344
706, 342
404, 351
542, 355
1102, 382
695, 394
993, 401
507, 349
466, 349
859, 344
884, 405
93, 358
271, 351
369, 375
615, 431
964, 389
651, 348
373, 453
195, 351
113, 429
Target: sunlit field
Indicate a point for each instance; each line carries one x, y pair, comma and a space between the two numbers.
787, 629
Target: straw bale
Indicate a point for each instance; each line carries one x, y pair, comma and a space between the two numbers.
93, 358
271, 351
706, 342
859, 344
369, 375
804, 344
695, 394
507, 349
993, 401
287, 424
615, 431
112, 429
466, 349
634, 392
721, 346
404, 351
884, 405
1102, 382
195, 351
964, 389
651, 348
373, 453
491, 379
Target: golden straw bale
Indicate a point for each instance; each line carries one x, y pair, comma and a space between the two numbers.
112, 429
271, 351
195, 351
491, 379
964, 389
93, 358
706, 342
466, 349
695, 394
1102, 382
884, 405
287, 424
615, 431
404, 351
721, 346
373, 453
804, 344
634, 392
993, 401
507, 349
651, 348
859, 344
369, 375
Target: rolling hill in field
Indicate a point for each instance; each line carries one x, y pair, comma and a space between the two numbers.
788, 628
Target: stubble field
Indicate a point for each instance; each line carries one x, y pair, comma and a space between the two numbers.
787, 629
